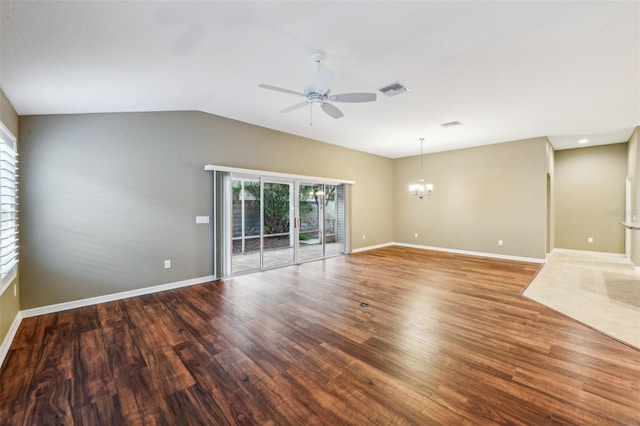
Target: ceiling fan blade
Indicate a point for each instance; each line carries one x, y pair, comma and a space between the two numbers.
324, 78
331, 110
295, 107
280, 89
353, 97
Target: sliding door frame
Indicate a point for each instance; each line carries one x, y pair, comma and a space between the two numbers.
223, 215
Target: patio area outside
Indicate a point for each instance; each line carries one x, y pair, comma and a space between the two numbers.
249, 261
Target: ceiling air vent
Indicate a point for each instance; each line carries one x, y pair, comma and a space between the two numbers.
451, 124
393, 89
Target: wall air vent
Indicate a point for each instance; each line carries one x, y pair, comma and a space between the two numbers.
393, 89
451, 124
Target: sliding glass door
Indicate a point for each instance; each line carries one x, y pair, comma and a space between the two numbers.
334, 220
245, 224
277, 218
310, 213
276, 222
321, 210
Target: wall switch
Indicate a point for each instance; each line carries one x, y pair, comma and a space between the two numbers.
415, 235
167, 264
15, 290
499, 242
590, 240
202, 219
364, 237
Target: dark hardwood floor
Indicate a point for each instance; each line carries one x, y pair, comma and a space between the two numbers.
446, 339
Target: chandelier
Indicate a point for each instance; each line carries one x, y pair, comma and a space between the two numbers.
421, 189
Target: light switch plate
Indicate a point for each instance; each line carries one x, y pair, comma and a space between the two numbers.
202, 219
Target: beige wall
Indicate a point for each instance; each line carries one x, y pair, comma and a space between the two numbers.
108, 197
590, 195
9, 303
8, 114
481, 195
633, 162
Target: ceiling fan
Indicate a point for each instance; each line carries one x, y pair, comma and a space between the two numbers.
318, 92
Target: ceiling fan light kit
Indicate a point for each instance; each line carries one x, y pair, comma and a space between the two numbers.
319, 92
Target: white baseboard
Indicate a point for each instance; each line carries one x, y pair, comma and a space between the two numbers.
377, 246
467, 252
633, 265
589, 253
11, 334
111, 297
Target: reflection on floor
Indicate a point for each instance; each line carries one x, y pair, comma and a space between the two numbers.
282, 256
600, 290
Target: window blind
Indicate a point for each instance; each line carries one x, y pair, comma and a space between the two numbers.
8, 208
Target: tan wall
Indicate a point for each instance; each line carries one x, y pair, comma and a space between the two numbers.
633, 162
481, 195
9, 303
8, 114
589, 186
108, 197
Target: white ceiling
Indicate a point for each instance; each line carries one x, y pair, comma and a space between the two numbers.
507, 70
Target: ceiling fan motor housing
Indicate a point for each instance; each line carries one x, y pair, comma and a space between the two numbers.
315, 97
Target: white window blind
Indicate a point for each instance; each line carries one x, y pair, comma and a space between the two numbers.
8, 208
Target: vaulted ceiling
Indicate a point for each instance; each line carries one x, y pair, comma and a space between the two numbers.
505, 70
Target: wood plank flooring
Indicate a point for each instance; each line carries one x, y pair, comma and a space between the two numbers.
446, 339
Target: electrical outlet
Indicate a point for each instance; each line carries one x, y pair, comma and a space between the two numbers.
167, 264
364, 237
415, 235
499, 242
590, 240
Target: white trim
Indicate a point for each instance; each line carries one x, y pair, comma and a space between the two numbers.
377, 246
8, 339
589, 252
111, 297
9, 138
8, 132
212, 168
8, 280
448, 250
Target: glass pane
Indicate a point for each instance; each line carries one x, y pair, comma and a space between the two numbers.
236, 188
277, 235
246, 225
310, 203
334, 219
